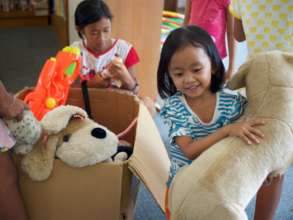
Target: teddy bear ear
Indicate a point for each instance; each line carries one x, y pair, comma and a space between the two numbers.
57, 119
238, 80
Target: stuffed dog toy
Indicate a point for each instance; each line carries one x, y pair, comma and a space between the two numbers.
72, 137
220, 183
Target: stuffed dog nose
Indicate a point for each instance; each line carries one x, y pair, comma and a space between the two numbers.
99, 133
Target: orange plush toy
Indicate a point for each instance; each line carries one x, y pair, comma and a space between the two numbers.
55, 79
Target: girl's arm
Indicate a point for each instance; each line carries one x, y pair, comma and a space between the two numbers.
127, 76
187, 12
115, 71
239, 33
193, 148
10, 107
133, 84
244, 130
98, 82
231, 45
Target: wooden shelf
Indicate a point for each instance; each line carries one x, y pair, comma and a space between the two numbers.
22, 18
16, 14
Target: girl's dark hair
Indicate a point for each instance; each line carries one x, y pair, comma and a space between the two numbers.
178, 39
90, 11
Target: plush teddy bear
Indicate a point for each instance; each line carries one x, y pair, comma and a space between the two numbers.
220, 183
26, 132
72, 137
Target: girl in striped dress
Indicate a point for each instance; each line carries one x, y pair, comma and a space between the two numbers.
198, 110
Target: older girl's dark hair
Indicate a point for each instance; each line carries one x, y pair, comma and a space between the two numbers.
178, 39
90, 11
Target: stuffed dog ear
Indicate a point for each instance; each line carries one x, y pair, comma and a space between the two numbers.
238, 80
38, 164
57, 119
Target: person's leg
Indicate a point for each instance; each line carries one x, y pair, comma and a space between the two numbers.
11, 205
267, 199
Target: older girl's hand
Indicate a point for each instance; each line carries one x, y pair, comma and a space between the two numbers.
246, 131
118, 70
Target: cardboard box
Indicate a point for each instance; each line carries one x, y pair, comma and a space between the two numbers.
103, 191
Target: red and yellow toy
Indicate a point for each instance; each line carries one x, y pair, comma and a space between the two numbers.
55, 79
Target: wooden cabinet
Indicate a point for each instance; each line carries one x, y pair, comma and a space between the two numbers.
21, 18
29, 17
41, 16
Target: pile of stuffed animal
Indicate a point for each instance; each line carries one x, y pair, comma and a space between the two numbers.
66, 133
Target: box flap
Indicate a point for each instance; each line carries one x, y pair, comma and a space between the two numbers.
150, 161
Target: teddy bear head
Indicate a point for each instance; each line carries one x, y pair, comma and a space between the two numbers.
73, 138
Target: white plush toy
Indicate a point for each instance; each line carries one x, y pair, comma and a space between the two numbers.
73, 138
221, 182
26, 132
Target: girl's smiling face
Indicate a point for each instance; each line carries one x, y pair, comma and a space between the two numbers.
191, 71
97, 35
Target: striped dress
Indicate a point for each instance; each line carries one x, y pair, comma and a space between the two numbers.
182, 121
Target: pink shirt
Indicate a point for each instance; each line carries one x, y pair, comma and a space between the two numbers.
6, 139
211, 16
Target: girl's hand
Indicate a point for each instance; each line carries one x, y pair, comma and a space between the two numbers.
246, 131
117, 74
105, 74
114, 79
101, 80
228, 75
12, 109
118, 70
121, 77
